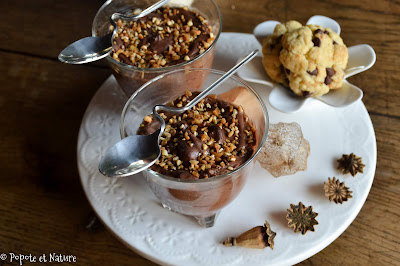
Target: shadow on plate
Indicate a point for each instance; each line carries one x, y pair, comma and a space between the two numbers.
317, 190
279, 217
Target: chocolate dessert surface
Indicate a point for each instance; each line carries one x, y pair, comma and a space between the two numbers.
213, 138
165, 37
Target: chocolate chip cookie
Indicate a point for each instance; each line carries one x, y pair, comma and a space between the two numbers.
311, 59
272, 47
314, 59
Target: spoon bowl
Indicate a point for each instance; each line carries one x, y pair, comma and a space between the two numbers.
94, 48
121, 160
87, 50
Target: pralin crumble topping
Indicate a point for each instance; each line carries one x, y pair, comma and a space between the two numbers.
165, 37
213, 138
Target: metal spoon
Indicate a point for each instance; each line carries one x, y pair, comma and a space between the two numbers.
90, 49
134, 154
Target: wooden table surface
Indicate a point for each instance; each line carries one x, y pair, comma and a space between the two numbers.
43, 208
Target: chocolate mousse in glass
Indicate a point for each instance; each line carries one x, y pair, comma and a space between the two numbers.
198, 174
176, 36
213, 138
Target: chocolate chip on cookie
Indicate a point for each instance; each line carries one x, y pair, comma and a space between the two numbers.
318, 31
314, 72
316, 41
328, 80
329, 73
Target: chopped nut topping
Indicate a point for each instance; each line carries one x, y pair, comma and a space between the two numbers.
147, 119
165, 37
204, 141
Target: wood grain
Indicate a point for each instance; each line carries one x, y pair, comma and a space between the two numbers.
42, 206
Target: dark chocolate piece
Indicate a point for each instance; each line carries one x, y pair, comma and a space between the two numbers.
316, 41
318, 31
330, 72
117, 44
327, 80
217, 133
313, 73
125, 59
158, 44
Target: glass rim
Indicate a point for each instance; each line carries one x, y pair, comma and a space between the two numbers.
161, 69
214, 178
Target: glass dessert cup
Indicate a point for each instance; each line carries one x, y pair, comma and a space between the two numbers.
129, 77
201, 198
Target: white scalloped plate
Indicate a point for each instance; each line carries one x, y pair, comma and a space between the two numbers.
129, 209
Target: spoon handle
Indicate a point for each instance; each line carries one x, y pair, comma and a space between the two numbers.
204, 93
145, 12
227, 75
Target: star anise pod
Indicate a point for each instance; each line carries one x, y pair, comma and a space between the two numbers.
336, 191
301, 218
350, 163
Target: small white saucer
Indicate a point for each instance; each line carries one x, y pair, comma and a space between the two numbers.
361, 58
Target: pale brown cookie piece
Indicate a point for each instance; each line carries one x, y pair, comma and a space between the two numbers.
271, 49
314, 59
286, 151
